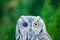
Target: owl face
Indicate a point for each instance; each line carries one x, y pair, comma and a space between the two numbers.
30, 25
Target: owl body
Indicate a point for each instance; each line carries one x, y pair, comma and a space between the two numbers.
31, 28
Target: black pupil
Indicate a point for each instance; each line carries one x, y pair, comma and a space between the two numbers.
35, 24
24, 24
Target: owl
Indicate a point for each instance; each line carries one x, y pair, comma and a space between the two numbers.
31, 28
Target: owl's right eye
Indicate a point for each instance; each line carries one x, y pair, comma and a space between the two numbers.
25, 24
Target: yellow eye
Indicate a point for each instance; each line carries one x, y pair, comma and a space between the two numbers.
36, 24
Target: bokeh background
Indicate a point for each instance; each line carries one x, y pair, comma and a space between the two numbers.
11, 10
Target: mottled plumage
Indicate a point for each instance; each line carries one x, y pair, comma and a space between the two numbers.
31, 28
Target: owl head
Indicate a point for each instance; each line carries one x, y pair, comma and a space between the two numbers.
30, 25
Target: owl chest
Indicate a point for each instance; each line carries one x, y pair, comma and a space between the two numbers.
30, 38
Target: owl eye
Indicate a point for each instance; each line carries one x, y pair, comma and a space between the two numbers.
35, 24
25, 24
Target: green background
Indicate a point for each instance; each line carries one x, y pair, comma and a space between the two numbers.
11, 10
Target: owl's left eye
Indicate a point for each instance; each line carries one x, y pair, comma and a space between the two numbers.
35, 24
25, 24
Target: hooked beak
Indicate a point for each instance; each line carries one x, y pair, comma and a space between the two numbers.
30, 30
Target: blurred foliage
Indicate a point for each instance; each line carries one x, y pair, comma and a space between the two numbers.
11, 10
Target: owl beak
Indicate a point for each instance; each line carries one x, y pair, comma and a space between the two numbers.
30, 30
